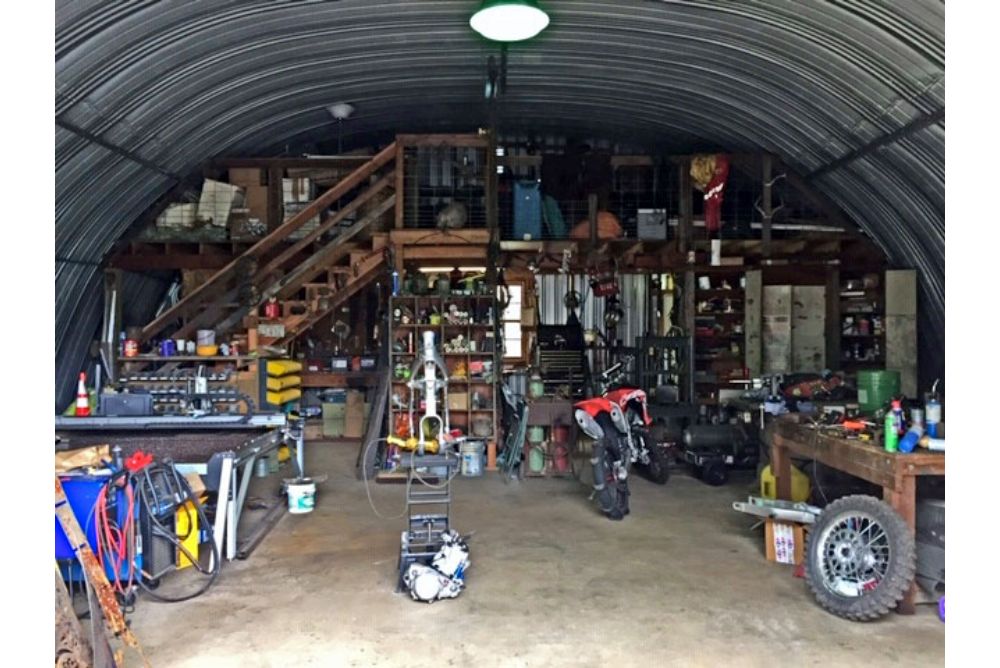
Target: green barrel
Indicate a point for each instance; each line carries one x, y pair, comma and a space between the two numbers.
876, 388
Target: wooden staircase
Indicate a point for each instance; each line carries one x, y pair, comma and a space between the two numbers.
310, 276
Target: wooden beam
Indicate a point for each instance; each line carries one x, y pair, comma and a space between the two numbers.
458, 140
456, 253
437, 237
141, 262
685, 223
400, 171
275, 198
592, 217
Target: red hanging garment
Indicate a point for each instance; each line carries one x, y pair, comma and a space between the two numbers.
713, 194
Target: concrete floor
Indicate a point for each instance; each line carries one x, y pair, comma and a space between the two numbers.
682, 581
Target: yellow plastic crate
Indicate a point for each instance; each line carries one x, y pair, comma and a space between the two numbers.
278, 368
278, 398
283, 383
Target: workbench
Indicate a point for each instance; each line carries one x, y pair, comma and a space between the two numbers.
896, 472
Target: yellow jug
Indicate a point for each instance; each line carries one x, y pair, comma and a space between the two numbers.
800, 485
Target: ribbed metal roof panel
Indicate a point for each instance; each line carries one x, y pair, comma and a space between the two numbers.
175, 83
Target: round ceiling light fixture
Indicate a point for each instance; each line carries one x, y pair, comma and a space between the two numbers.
509, 20
340, 110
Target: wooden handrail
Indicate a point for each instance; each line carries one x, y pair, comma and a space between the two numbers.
214, 283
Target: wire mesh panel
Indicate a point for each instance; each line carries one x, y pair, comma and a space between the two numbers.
444, 187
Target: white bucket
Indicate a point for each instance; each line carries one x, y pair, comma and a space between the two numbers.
206, 337
472, 459
301, 496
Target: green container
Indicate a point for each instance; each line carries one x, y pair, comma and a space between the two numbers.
876, 388
536, 460
536, 434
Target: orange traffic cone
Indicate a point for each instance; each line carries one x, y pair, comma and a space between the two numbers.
82, 398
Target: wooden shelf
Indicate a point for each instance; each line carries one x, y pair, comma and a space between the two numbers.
187, 358
721, 292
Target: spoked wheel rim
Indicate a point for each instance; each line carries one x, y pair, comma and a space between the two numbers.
854, 555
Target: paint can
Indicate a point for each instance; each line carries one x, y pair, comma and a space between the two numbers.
131, 348
716, 252
301, 496
206, 337
168, 348
472, 458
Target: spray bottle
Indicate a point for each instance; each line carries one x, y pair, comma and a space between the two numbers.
897, 417
932, 411
890, 436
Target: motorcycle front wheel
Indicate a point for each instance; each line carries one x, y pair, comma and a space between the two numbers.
612, 494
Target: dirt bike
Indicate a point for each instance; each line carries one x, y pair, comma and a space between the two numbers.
617, 419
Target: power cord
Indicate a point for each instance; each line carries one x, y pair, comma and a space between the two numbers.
181, 492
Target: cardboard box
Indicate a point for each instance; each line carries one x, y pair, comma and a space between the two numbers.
334, 411
246, 176
313, 431
255, 199
355, 399
784, 542
354, 424
333, 428
458, 402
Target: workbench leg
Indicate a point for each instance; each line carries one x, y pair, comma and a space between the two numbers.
781, 467
903, 499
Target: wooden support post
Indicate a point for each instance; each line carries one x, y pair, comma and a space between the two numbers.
412, 185
592, 218
688, 307
768, 211
685, 222
400, 183
275, 198
832, 326
781, 468
903, 499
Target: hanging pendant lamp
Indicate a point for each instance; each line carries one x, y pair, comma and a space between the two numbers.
509, 20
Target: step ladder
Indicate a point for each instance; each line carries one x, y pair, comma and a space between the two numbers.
428, 509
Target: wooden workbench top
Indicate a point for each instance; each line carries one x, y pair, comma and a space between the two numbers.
864, 459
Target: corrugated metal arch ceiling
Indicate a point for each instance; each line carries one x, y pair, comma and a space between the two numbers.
176, 83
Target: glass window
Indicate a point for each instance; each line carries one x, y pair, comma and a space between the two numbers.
511, 317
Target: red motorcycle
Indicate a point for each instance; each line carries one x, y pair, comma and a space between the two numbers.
617, 420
